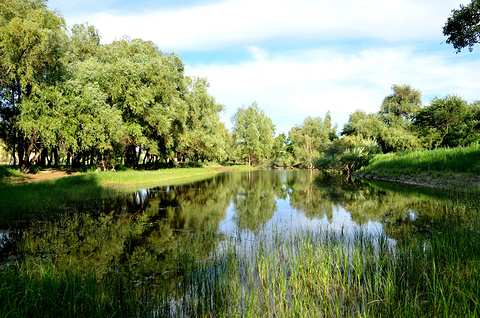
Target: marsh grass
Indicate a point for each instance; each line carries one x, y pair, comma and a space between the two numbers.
319, 273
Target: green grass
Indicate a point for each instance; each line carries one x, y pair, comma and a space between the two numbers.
456, 160
309, 274
142, 178
7, 171
40, 200
443, 166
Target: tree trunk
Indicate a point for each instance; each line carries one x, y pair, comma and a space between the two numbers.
145, 158
26, 163
55, 156
14, 155
139, 154
43, 158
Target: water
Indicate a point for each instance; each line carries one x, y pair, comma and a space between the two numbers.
245, 206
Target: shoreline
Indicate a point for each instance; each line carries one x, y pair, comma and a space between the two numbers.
457, 181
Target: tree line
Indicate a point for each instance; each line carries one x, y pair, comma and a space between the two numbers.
67, 98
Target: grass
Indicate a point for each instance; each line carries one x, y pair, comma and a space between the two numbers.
40, 200
7, 171
309, 274
441, 167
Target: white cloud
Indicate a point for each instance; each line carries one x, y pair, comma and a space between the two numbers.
291, 86
310, 83
226, 23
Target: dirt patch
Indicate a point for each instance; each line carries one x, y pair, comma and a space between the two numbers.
223, 168
41, 176
231, 168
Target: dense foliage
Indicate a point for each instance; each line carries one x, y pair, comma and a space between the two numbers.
463, 26
65, 95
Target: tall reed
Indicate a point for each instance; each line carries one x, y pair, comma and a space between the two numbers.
322, 273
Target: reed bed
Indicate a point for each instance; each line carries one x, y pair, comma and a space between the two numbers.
322, 273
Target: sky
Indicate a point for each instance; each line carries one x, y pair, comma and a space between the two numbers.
297, 58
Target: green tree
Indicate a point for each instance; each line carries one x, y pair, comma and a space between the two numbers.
31, 50
146, 85
203, 134
87, 123
254, 133
309, 137
84, 42
462, 28
391, 127
448, 122
347, 154
400, 107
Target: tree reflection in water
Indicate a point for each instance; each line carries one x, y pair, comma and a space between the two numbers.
144, 229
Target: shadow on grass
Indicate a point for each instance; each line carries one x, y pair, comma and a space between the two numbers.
6, 171
20, 204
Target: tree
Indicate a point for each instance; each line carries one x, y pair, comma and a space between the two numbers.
347, 154
84, 42
399, 107
146, 85
309, 137
31, 47
204, 136
448, 122
462, 28
391, 127
254, 133
87, 123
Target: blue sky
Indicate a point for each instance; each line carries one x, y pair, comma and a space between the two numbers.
297, 58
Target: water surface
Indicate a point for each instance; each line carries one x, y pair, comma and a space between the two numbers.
147, 224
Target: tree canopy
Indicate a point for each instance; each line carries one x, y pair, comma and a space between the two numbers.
62, 91
462, 28
254, 133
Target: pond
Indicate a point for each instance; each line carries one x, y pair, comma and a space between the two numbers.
147, 232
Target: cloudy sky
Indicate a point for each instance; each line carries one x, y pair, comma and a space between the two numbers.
297, 58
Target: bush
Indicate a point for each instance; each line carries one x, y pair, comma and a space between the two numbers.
347, 155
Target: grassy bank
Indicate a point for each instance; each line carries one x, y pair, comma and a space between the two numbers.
310, 274
442, 168
37, 200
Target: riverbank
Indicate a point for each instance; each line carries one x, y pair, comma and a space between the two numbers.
455, 168
11, 177
22, 200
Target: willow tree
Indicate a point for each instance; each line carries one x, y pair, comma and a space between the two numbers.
31, 40
253, 133
146, 85
392, 126
310, 137
204, 136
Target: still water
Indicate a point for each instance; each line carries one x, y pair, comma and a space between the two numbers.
239, 205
